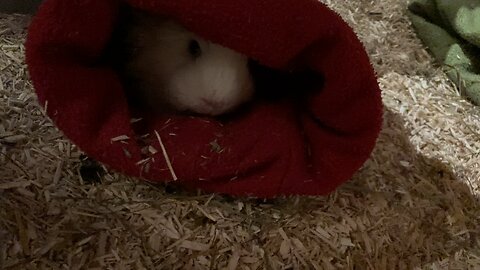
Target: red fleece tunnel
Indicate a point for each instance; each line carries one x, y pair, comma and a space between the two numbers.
284, 146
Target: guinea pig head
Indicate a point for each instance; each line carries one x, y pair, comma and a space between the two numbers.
214, 79
185, 71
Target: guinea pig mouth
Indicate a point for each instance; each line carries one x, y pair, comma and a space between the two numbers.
213, 105
208, 107
211, 110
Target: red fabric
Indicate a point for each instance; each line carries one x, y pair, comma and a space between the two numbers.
273, 149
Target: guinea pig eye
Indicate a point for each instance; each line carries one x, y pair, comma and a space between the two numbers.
194, 48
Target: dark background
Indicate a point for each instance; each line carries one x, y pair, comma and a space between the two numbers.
19, 6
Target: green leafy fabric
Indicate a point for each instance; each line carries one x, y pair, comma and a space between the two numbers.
451, 31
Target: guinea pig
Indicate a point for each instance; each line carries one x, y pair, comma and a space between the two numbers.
173, 69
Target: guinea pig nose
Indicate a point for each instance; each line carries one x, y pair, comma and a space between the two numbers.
213, 104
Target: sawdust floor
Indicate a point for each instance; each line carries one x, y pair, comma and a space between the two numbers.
414, 204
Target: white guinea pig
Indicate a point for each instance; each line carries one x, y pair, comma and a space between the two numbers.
177, 70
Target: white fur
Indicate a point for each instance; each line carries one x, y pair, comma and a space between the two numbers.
214, 83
